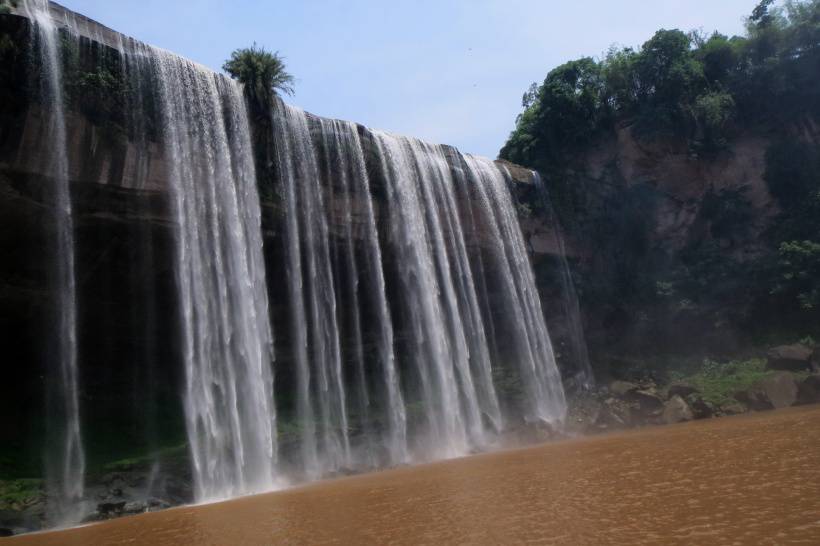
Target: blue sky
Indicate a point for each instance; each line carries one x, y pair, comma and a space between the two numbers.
449, 71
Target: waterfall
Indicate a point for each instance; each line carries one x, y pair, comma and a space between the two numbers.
312, 299
535, 357
437, 282
571, 308
66, 465
333, 247
409, 327
344, 158
227, 338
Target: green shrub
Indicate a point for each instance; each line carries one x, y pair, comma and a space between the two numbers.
718, 381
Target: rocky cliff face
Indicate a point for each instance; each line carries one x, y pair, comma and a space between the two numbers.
674, 252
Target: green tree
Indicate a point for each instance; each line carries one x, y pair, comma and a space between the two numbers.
620, 79
563, 114
712, 112
668, 78
262, 72
720, 57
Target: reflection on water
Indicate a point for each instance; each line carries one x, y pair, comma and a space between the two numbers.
740, 480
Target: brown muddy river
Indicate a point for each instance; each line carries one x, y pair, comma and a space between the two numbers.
744, 480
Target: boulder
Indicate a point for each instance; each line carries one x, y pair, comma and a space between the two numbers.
795, 358
157, 504
11, 518
779, 390
622, 388
701, 409
135, 507
110, 508
649, 402
681, 389
676, 410
634, 403
808, 391
615, 413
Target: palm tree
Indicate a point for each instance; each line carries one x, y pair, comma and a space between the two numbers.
262, 72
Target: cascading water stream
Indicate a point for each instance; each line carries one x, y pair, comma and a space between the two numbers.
344, 158
572, 309
535, 357
227, 338
312, 298
440, 347
66, 464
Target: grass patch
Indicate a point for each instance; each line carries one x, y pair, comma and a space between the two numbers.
22, 491
718, 381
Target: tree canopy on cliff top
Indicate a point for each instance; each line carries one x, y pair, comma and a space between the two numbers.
677, 84
262, 72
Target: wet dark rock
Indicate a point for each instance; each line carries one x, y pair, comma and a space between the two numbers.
677, 410
111, 508
795, 358
681, 389
157, 504
11, 518
701, 409
649, 401
622, 388
6, 532
615, 413
135, 507
808, 391
776, 391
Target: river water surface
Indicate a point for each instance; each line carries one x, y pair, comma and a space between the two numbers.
743, 480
